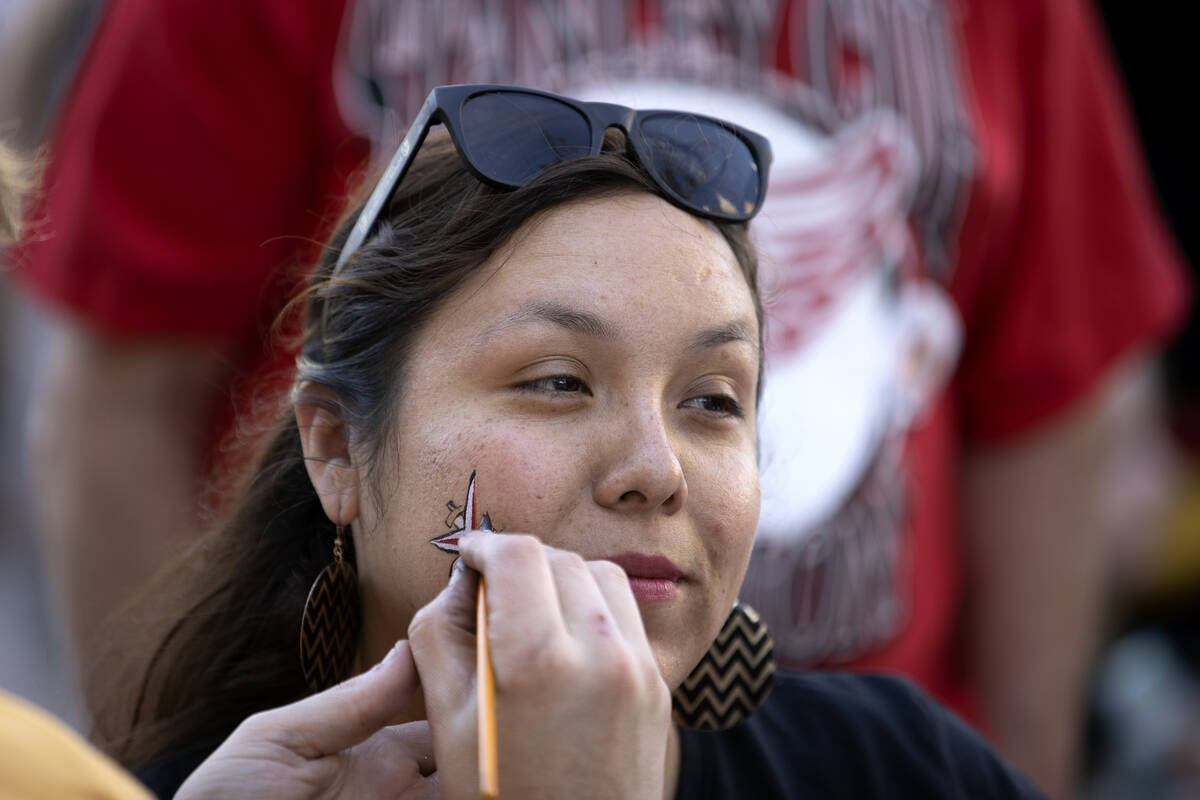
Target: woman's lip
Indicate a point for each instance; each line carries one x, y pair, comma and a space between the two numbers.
652, 590
648, 567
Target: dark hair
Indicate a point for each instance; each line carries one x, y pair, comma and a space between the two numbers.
232, 647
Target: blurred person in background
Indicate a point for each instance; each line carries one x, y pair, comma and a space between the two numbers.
41, 42
1144, 740
966, 266
40, 757
1150, 53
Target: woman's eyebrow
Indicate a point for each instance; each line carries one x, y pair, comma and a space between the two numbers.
735, 331
572, 319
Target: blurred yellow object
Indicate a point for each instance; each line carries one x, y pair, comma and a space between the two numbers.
41, 757
1178, 564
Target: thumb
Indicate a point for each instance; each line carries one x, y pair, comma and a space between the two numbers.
443, 641
456, 603
341, 717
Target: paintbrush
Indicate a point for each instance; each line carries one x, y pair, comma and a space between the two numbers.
489, 768
489, 777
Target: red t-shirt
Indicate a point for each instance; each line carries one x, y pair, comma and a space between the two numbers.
205, 146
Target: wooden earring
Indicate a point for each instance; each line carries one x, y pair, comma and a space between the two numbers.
732, 680
331, 623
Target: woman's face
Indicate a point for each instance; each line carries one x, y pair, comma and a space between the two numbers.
597, 375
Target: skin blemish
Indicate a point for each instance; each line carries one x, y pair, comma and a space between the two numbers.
603, 625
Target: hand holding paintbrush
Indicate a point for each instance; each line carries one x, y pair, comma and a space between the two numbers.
584, 708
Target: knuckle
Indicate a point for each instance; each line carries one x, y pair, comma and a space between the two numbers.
653, 676
648, 690
255, 725
424, 626
521, 547
263, 729
618, 672
522, 542
607, 572
552, 663
660, 699
542, 667
566, 561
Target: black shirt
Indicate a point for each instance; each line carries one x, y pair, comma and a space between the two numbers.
819, 735
822, 735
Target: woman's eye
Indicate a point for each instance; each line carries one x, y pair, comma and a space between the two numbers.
557, 383
721, 404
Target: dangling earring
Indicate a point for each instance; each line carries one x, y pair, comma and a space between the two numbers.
331, 622
732, 680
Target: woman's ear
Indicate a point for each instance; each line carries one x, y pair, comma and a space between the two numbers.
327, 456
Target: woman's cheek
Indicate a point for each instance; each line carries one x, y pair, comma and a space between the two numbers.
727, 502
525, 482
520, 475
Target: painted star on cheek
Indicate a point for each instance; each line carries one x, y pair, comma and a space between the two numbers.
458, 524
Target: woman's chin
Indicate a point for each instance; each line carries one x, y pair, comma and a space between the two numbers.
675, 657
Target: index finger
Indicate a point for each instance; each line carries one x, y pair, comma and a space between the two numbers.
522, 599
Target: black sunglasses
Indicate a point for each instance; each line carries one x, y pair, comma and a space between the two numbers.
506, 135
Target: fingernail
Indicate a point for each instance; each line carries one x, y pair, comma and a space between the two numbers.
457, 570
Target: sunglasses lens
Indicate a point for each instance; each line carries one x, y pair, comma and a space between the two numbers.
512, 136
703, 162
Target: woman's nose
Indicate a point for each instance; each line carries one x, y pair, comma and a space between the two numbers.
640, 469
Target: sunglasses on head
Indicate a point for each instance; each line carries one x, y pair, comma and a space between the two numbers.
506, 135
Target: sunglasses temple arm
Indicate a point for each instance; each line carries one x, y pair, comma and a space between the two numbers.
390, 179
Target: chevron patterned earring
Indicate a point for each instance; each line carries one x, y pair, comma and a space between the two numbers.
732, 680
331, 623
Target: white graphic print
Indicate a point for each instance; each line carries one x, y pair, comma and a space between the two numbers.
864, 106
866, 54
835, 593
